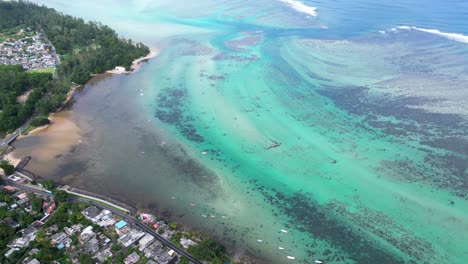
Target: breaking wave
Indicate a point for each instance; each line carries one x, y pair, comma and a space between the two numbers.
299, 6
452, 36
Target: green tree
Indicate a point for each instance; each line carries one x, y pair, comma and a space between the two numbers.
40, 121
210, 251
6, 232
8, 169
48, 184
59, 195
116, 247
86, 48
85, 259
36, 204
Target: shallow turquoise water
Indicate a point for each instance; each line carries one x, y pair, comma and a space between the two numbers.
342, 128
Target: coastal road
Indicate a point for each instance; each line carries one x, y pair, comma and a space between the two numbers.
147, 229
28, 188
11, 137
128, 218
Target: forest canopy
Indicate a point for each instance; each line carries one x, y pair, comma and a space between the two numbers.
84, 48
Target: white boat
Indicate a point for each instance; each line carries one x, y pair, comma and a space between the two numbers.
223, 216
318, 262
204, 153
280, 248
289, 257
259, 241
204, 215
284, 231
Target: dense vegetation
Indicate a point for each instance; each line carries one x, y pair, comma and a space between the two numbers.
209, 250
8, 169
85, 48
40, 121
14, 81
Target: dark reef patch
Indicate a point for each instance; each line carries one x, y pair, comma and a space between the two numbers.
321, 222
170, 109
455, 144
358, 101
442, 135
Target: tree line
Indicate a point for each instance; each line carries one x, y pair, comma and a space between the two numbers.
85, 48
14, 81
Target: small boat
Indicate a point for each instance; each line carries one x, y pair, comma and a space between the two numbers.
332, 161
223, 216
204, 215
318, 261
212, 216
192, 204
142, 94
289, 257
280, 248
259, 241
273, 144
173, 198
204, 153
284, 231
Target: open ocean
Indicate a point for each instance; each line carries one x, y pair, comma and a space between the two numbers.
343, 122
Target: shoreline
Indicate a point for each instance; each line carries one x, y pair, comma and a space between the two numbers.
36, 130
55, 121
135, 64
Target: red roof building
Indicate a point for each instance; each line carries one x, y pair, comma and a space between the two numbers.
48, 207
9, 188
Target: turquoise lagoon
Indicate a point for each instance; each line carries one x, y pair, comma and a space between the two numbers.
345, 126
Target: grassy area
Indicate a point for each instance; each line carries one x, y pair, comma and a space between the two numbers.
2, 150
50, 70
9, 33
28, 129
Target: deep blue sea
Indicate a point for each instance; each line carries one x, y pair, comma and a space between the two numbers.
361, 17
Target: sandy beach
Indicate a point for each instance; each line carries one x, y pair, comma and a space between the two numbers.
59, 137
12, 159
135, 64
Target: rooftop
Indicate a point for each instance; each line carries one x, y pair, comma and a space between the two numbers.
91, 212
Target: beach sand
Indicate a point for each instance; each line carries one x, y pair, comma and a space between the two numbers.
59, 137
12, 159
135, 64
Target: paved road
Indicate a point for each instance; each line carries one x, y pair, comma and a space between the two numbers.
128, 218
31, 188
143, 226
11, 137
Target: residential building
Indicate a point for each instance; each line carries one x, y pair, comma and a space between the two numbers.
132, 258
